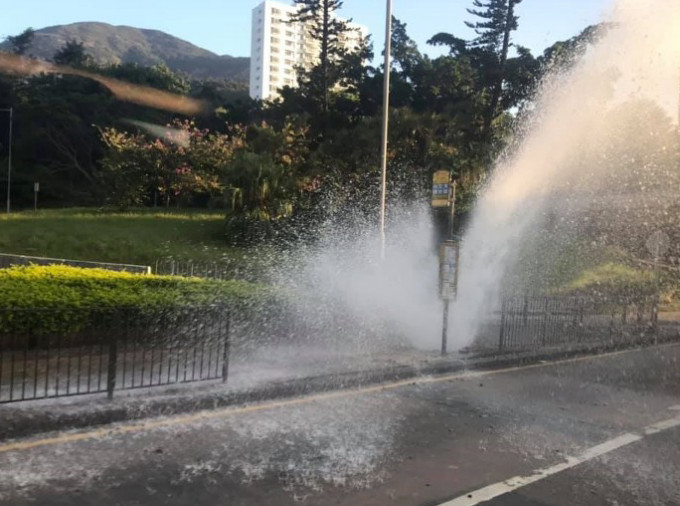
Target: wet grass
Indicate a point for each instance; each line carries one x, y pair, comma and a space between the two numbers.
136, 237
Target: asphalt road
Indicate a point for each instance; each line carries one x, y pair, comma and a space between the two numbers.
585, 431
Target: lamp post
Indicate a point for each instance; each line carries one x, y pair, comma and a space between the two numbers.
385, 124
9, 158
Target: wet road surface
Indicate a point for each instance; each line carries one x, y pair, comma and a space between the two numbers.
586, 431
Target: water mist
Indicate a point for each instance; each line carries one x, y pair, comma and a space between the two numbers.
560, 163
564, 146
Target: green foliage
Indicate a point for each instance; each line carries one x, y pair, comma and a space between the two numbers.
72, 54
158, 76
183, 164
63, 287
405, 53
310, 155
496, 20
324, 27
55, 142
612, 278
64, 299
565, 53
19, 44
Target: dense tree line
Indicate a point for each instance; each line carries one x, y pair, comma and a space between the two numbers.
311, 153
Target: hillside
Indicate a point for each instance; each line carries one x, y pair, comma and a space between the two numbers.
122, 44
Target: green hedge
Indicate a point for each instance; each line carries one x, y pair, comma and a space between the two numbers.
61, 299
66, 287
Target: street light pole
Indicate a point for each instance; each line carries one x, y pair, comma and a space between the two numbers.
9, 158
385, 124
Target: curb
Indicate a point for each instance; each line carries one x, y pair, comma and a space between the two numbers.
20, 423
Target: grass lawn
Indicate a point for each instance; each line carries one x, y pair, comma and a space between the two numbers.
134, 237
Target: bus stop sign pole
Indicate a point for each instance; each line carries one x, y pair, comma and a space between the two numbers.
444, 195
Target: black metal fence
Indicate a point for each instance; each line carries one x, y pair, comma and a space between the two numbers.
46, 353
539, 321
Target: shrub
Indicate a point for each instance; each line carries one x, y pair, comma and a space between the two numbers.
61, 299
613, 279
63, 286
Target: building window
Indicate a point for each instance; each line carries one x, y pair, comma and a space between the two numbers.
274, 40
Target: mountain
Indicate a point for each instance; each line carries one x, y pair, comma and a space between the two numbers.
109, 44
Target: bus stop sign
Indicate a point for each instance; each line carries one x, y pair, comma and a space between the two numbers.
449, 256
441, 189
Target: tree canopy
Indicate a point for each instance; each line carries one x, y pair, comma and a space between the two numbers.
310, 154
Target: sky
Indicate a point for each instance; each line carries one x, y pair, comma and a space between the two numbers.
223, 26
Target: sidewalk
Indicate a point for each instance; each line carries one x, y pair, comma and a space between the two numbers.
270, 373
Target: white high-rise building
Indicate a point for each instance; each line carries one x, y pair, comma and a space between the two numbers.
278, 47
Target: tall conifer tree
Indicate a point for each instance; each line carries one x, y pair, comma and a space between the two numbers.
496, 22
326, 29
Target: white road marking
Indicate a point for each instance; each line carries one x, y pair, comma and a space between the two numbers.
516, 482
675, 408
662, 426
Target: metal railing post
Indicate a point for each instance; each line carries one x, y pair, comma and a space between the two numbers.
227, 350
501, 338
546, 316
655, 313
113, 362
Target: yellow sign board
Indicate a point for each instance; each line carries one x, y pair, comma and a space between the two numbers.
441, 188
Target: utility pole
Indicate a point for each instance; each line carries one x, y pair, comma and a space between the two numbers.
385, 124
9, 158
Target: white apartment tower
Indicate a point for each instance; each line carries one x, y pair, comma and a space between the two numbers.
278, 47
